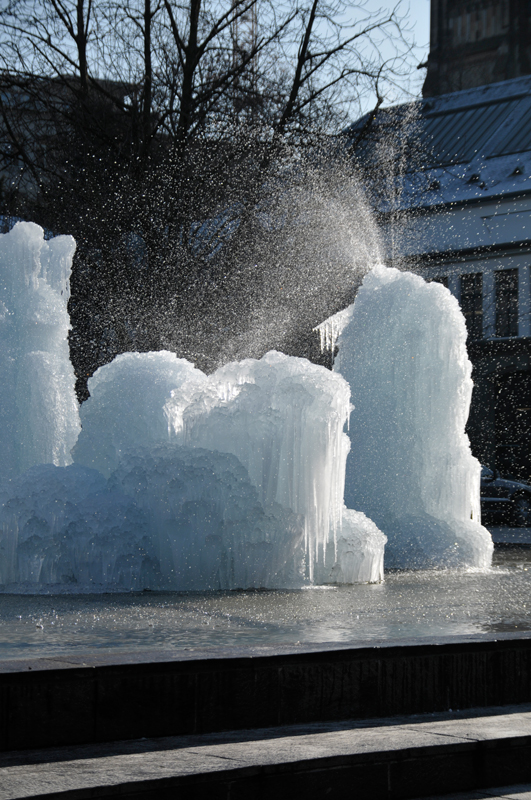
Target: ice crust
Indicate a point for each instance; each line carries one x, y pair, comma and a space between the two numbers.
39, 416
403, 352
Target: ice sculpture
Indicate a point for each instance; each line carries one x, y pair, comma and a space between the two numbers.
39, 419
403, 351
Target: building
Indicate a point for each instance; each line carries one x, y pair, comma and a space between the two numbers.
43, 119
461, 215
477, 42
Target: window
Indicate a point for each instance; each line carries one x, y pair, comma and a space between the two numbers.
506, 302
440, 279
472, 303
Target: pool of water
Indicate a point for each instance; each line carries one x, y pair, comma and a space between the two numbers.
406, 605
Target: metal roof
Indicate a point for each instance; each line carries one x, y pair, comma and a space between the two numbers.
466, 145
457, 136
456, 128
518, 139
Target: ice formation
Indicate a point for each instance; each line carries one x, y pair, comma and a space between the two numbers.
283, 418
180, 481
356, 555
235, 480
410, 469
39, 418
63, 526
169, 517
206, 524
126, 407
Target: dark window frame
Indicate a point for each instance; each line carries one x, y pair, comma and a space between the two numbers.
506, 303
471, 284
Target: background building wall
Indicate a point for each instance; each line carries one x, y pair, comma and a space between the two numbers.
477, 43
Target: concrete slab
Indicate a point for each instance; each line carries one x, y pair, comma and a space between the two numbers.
394, 758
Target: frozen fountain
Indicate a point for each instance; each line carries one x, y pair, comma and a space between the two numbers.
243, 478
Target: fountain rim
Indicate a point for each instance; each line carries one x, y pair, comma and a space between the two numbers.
290, 652
87, 700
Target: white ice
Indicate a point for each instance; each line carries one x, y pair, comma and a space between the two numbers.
39, 418
237, 479
410, 469
63, 526
127, 406
169, 517
284, 419
180, 480
206, 524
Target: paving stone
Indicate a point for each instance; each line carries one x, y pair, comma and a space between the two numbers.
394, 758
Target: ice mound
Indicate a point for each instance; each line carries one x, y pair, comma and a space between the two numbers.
39, 419
359, 552
283, 418
64, 526
268, 468
126, 407
403, 352
207, 524
169, 517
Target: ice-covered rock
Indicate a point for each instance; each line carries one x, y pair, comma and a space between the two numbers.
410, 469
283, 418
39, 418
127, 406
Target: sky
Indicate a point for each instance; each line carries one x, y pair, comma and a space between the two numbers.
419, 16
418, 20
419, 13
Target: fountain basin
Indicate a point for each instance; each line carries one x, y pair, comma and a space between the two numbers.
420, 642
407, 605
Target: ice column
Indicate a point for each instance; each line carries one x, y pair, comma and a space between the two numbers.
410, 469
39, 420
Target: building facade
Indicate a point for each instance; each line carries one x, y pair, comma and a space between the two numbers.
477, 42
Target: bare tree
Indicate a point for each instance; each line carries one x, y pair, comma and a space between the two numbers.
149, 131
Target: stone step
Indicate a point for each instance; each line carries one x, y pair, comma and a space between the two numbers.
519, 792
400, 757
